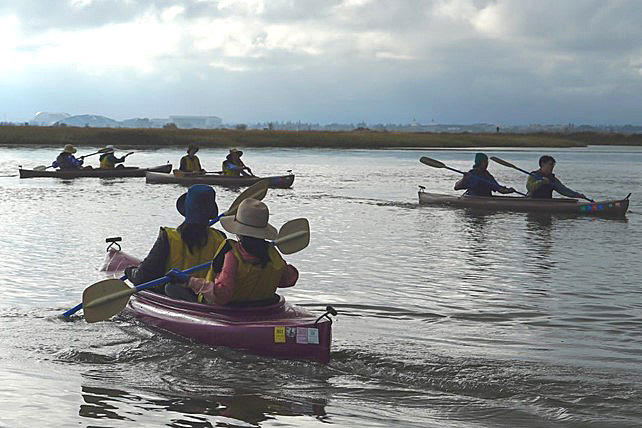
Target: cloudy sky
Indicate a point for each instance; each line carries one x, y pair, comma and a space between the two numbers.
451, 61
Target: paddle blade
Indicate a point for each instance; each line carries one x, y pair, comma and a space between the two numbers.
503, 162
256, 191
293, 236
105, 299
39, 168
432, 162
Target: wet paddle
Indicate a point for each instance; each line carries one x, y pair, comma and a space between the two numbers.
436, 164
256, 191
43, 167
107, 298
510, 165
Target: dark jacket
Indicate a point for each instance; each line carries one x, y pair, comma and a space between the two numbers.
479, 182
67, 161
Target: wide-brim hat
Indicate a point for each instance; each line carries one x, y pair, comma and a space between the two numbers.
107, 149
69, 149
237, 151
198, 204
251, 219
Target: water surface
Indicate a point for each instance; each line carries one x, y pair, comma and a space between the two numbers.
447, 317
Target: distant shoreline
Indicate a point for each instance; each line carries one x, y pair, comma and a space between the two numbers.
156, 138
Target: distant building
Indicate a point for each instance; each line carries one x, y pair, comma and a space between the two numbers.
203, 122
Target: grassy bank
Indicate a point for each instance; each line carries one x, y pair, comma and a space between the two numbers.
139, 138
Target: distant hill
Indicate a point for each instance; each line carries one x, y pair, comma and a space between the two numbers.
92, 120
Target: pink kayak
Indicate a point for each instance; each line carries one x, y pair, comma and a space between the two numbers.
279, 330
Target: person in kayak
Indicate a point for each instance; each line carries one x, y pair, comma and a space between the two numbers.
234, 166
246, 272
542, 182
108, 160
190, 163
190, 244
479, 182
67, 160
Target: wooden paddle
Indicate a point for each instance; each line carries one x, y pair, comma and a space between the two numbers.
510, 165
436, 164
43, 167
256, 191
107, 298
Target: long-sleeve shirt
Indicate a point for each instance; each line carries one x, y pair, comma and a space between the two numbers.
479, 182
538, 188
221, 290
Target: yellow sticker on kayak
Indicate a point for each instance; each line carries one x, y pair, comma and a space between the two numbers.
279, 334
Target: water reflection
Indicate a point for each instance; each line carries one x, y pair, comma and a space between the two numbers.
539, 242
211, 410
476, 228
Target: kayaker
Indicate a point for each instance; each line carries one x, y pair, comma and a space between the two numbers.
246, 272
108, 160
67, 160
190, 244
190, 162
479, 182
234, 166
542, 182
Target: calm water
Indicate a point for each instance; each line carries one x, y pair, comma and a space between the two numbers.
447, 318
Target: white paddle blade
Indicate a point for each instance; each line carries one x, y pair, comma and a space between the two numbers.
39, 168
105, 299
256, 191
293, 236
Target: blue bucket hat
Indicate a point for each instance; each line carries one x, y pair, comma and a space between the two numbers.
198, 205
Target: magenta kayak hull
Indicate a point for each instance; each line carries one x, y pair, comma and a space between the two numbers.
280, 330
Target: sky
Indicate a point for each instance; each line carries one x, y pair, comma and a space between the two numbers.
325, 61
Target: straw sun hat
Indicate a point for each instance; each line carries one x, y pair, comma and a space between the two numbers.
251, 219
69, 149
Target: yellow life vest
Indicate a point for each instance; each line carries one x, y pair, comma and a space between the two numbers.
253, 282
182, 258
106, 163
192, 164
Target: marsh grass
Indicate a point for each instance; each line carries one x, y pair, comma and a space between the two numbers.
125, 137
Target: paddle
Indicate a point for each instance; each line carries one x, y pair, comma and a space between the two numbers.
436, 164
510, 165
42, 167
256, 191
107, 298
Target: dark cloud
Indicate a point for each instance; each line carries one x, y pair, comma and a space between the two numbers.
385, 60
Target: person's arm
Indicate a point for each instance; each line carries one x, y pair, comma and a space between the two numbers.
153, 267
463, 183
565, 191
118, 160
289, 277
183, 166
221, 290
